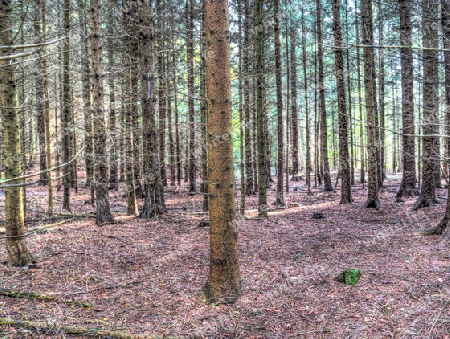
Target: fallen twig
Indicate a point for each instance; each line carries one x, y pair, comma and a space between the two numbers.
37, 296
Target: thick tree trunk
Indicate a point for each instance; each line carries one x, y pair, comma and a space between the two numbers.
327, 186
408, 185
430, 103
224, 280
370, 96
344, 164
279, 81
16, 249
102, 211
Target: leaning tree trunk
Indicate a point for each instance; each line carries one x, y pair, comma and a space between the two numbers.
370, 96
327, 185
344, 164
408, 185
430, 103
102, 211
280, 171
224, 280
153, 186
16, 248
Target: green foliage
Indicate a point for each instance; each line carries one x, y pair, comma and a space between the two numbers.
349, 276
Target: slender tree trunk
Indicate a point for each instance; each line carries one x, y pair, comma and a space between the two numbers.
190, 66
17, 253
241, 115
39, 88
288, 103
294, 112
102, 211
260, 111
361, 119
327, 186
408, 185
153, 185
113, 153
177, 129
344, 165
132, 208
48, 153
224, 280
279, 81
430, 104
370, 96
308, 131
381, 76
162, 108
249, 151
65, 119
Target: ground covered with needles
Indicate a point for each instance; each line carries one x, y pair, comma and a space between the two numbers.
143, 276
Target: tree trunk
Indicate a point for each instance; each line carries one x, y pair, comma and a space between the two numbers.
327, 186
361, 119
16, 248
305, 79
153, 186
344, 164
224, 280
370, 96
190, 66
249, 151
430, 104
294, 112
65, 119
260, 110
102, 211
381, 75
279, 81
39, 88
408, 185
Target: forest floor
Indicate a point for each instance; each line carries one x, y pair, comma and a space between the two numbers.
143, 276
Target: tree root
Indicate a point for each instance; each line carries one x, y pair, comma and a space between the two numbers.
37, 296
424, 202
43, 327
437, 230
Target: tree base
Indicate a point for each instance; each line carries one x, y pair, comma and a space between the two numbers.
228, 297
407, 192
437, 230
424, 202
18, 254
373, 203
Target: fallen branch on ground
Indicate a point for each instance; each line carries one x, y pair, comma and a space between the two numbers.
42, 327
37, 296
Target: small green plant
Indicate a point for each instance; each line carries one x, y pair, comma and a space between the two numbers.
349, 276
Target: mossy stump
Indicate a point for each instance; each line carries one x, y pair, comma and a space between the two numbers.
349, 277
